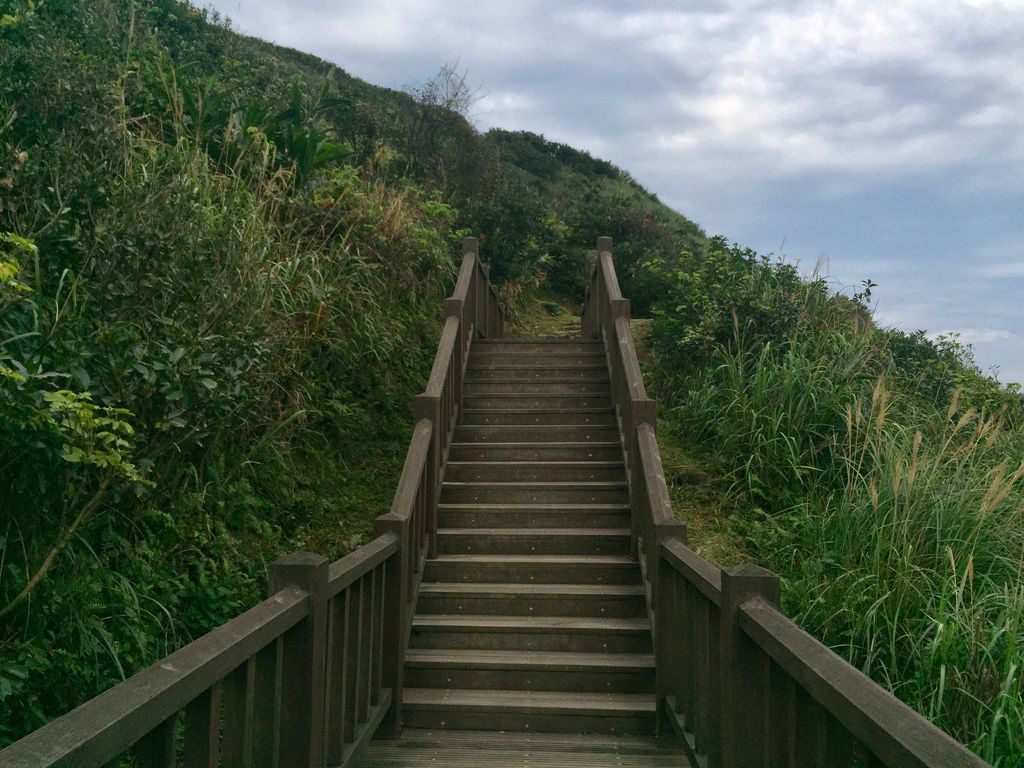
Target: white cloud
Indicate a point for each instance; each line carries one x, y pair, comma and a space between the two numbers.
1004, 270
887, 135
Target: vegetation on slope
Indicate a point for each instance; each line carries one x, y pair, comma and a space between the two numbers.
879, 473
221, 267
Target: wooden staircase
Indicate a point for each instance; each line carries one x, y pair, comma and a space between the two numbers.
499, 613
531, 614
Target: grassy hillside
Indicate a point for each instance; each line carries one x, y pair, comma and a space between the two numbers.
221, 267
879, 473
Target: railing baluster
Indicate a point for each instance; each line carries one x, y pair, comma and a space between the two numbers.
352, 662
202, 729
236, 751
157, 748
338, 650
365, 647
371, 645
266, 716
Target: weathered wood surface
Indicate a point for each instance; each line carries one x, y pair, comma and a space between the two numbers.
474, 749
104, 727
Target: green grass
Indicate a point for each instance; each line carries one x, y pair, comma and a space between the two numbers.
880, 475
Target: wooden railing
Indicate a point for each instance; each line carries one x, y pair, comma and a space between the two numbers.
739, 683
308, 675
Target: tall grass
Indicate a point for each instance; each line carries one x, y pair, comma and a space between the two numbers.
895, 517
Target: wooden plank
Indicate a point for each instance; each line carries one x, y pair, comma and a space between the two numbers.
109, 724
202, 729
890, 729
412, 471
266, 717
465, 273
157, 748
353, 566
443, 358
337, 676
365, 647
236, 748
698, 571
352, 662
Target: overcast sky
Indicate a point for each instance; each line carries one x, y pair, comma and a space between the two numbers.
882, 139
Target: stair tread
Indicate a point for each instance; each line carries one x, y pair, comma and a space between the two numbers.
534, 589
531, 623
478, 749
534, 531
563, 660
486, 507
538, 340
538, 483
493, 411
530, 701
549, 463
524, 427
519, 380
582, 444
624, 560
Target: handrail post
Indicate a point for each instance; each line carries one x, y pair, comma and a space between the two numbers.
396, 598
429, 407
303, 673
744, 669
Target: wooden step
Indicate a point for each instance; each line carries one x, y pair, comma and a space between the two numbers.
543, 402
532, 416
533, 471
420, 748
557, 359
537, 347
530, 670
539, 633
537, 433
533, 541
543, 452
542, 711
601, 600
533, 568
533, 515
476, 388
607, 492
537, 371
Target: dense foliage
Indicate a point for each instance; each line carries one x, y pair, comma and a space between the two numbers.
221, 267
884, 476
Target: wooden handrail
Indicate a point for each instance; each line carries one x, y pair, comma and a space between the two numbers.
888, 728
739, 682
102, 728
312, 672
